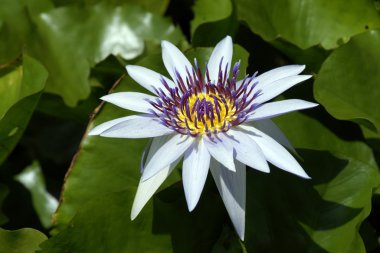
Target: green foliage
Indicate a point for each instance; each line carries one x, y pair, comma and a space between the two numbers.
350, 91
16, 108
58, 57
24, 240
307, 23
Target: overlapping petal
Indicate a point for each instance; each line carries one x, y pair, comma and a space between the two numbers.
175, 61
273, 109
232, 188
275, 88
221, 150
274, 152
147, 188
148, 79
270, 128
196, 164
137, 126
173, 149
220, 58
135, 101
107, 125
247, 151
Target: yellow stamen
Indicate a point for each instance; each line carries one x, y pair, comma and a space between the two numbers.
206, 122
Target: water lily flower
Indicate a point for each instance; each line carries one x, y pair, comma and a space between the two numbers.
211, 121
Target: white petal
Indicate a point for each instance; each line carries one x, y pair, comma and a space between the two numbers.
148, 79
167, 154
137, 126
194, 173
147, 188
134, 101
276, 88
231, 186
247, 151
107, 125
223, 50
274, 152
221, 149
174, 60
277, 74
270, 128
273, 109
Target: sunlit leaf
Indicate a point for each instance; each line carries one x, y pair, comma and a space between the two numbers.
44, 203
206, 11
19, 103
307, 23
20, 82
72, 39
348, 83
213, 20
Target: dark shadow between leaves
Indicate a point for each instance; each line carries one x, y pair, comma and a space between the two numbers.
195, 231
279, 204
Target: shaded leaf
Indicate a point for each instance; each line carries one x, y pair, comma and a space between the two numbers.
3, 194
103, 225
348, 82
44, 203
15, 25
307, 23
26, 240
203, 225
318, 215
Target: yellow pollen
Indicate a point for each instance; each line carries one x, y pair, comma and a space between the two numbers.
200, 120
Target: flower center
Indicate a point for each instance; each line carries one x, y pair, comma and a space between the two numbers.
200, 106
206, 112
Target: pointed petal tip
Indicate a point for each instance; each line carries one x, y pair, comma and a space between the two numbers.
92, 133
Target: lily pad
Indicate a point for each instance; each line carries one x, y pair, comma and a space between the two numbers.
307, 23
348, 82
26, 240
87, 35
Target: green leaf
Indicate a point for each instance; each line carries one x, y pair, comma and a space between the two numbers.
307, 23
215, 19
112, 163
44, 203
103, 225
348, 82
318, 215
22, 81
15, 25
82, 36
24, 240
3, 194
206, 11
